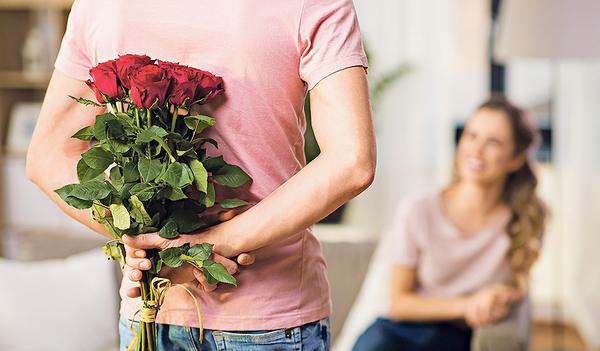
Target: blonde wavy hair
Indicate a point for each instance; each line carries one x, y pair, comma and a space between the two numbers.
526, 225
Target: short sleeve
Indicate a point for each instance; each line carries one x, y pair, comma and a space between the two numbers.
73, 58
400, 237
329, 39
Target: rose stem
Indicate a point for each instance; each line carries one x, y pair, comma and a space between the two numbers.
175, 113
137, 117
149, 118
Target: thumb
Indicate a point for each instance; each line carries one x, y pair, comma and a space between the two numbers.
146, 241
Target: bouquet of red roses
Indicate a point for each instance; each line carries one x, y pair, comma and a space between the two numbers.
160, 178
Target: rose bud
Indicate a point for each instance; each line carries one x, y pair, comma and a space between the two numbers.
149, 85
126, 64
183, 94
105, 80
209, 86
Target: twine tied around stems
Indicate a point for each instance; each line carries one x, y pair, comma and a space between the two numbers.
150, 308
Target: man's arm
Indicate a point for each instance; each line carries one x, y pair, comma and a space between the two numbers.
342, 123
53, 155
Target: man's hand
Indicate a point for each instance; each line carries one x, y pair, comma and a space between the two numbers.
136, 257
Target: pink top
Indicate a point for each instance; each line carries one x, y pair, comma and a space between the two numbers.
448, 262
269, 54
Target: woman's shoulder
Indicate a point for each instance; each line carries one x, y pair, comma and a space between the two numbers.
419, 207
423, 200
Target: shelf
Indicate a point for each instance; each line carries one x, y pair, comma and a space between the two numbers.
35, 4
24, 80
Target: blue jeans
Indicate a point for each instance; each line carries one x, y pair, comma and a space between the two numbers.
308, 337
386, 335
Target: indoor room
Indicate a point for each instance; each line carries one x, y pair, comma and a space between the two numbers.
431, 64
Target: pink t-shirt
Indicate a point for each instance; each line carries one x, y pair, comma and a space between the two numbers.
447, 262
269, 54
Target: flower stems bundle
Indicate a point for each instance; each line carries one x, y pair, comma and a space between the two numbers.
160, 178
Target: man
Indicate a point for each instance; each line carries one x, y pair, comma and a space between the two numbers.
269, 54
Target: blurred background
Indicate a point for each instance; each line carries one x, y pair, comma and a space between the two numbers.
431, 63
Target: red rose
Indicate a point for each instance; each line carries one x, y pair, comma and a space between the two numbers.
105, 81
178, 72
183, 94
209, 86
149, 85
126, 64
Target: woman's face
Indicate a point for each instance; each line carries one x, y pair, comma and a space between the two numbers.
485, 151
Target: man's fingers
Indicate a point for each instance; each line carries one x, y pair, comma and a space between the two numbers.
135, 259
133, 292
227, 215
135, 275
148, 241
216, 218
202, 281
231, 266
246, 258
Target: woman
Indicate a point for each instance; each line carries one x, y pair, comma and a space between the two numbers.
461, 256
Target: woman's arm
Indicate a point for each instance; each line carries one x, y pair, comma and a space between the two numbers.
486, 306
406, 305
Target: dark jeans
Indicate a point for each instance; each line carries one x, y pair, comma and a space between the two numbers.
386, 335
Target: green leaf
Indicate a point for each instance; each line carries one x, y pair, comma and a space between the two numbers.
200, 175
165, 146
126, 120
115, 252
85, 172
91, 190
159, 266
115, 144
110, 227
232, 203
120, 216
98, 158
187, 220
169, 230
174, 194
137, 210
97, 210
199, 123
84, 134
172, 256
147, 135
209, 199
218, 272
231, 176
213, 164
116, 178
149, 168
64, 191
78, 203
143, 191
201, 252
100, 125
177, 175
116, 128
86, 101
202, 141
131, 173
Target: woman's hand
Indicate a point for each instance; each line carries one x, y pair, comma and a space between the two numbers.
490, 305
136, 258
